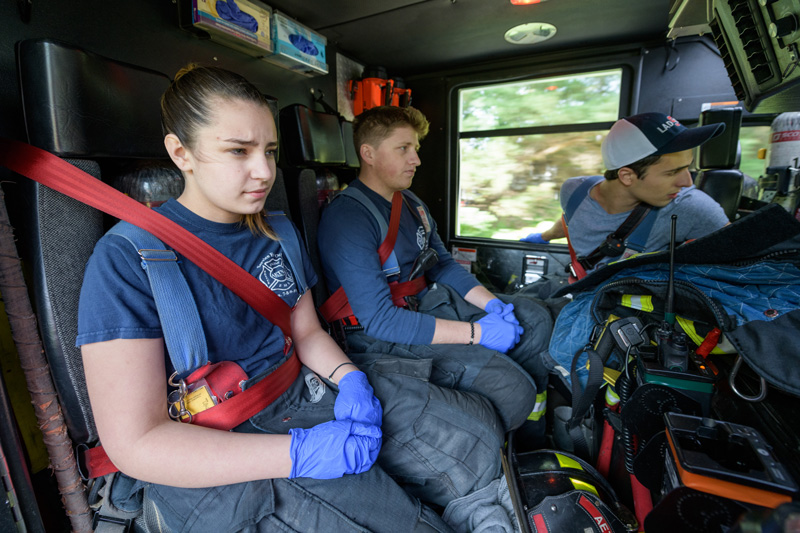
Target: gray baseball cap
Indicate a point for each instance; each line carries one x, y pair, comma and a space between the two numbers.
633, 138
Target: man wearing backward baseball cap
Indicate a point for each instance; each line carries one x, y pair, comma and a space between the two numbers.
629, 209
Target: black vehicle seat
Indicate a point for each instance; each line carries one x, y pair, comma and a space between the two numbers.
96, 113
318, 158
718, 160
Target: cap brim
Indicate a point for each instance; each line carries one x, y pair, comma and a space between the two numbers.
691, 138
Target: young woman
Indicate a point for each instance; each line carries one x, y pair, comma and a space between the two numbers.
305, 462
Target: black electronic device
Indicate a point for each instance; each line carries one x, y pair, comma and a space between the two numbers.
714, 472
624, 334
426, 260
725, 459
673, 351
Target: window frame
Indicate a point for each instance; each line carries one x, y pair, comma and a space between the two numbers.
627, 100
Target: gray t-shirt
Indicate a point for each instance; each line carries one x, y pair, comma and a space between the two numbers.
590, 224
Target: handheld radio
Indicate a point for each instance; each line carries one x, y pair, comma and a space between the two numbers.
673, 352
670, 362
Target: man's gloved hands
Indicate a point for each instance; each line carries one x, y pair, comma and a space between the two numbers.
535, 238
356, 400
334, 448
505, 310
497, 334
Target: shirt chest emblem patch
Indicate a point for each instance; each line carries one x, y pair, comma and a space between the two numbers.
275, 275
421, 234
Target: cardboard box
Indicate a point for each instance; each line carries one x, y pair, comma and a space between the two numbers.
253, 35
297, 47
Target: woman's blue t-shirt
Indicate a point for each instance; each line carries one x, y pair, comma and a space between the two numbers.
116, 301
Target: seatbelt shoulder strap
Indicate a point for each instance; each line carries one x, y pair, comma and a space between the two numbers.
576, 269
614, 245
177, 310
638, 237
390, 265
337, 306
580, 194
52, 171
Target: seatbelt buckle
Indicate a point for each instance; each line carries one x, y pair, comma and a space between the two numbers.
123, 523
412, 302
612, 247
350, 324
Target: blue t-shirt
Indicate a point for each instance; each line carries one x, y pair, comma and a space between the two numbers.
116, 301
590, 224
349, 237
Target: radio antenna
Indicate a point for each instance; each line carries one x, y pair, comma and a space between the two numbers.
669, 313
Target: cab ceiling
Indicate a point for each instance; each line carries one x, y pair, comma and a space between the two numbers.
411, 37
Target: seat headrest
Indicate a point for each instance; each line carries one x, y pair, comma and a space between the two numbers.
311, 138
82, 105
723, 150
349, 145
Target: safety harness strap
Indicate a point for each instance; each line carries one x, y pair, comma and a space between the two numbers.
635, 229
177, 310
614, 245
225, 415
337, 306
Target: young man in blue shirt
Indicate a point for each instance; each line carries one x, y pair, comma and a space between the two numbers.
477, 341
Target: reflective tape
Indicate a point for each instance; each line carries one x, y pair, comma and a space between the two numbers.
634, 301
540, 407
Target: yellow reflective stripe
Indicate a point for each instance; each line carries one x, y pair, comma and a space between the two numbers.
688, 327
612, 398
540, 407
568, 462
582, 485
634, 301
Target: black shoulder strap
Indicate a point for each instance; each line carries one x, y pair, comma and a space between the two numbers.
614, 244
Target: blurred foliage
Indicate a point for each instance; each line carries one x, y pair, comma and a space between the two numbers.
510, 184
577, 99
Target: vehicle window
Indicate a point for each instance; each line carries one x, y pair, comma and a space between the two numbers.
519, 141
751, 140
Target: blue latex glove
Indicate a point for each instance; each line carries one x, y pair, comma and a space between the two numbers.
334, 448
534, 238
505, 310
356, 400
497, 334
230, 11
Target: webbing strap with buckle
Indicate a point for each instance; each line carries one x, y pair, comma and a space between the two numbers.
177, 310
614, 244
226, 415
336, 307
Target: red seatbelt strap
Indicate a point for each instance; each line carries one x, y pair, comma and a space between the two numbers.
336, 307
576, 270
52, 171
225, 415
406, 288
386, 247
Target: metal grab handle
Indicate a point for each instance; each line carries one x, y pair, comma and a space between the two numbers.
732, 382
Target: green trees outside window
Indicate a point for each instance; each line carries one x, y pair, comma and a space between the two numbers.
519, 141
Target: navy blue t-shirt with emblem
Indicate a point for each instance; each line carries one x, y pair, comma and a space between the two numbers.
116, 301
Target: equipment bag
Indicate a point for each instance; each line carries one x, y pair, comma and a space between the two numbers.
742, 280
